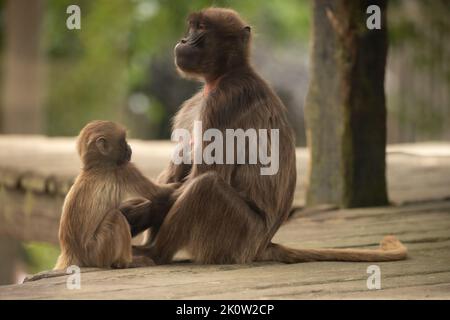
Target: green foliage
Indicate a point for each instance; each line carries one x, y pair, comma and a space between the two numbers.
92, 71
40, 256
88, 72
415, 23
418, 29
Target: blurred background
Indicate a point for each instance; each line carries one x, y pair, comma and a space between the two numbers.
119, 66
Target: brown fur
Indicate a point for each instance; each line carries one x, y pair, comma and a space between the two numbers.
93, 232
229, 213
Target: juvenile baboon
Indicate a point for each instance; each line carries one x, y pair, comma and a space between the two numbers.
93, 232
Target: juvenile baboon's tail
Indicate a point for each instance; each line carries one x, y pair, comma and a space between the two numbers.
391, 249
65, 260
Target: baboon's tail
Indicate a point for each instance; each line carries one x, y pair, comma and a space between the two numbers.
391, 249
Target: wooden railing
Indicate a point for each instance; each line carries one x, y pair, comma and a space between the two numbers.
36, 172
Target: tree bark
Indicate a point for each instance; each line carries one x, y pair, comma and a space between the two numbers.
9, 258
22, 76
345, 106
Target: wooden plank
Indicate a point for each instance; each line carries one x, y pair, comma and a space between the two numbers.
430, 291
426, 266
32, 190
365, 227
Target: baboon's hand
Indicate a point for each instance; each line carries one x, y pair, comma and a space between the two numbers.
137, 212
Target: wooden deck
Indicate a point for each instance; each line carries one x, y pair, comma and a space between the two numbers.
419, 186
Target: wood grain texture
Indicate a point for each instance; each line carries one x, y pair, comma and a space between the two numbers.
419, 183
425, 274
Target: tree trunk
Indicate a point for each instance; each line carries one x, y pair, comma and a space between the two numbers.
22, 76
9, 257
345, 106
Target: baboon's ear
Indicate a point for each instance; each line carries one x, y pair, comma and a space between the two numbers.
103, 146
